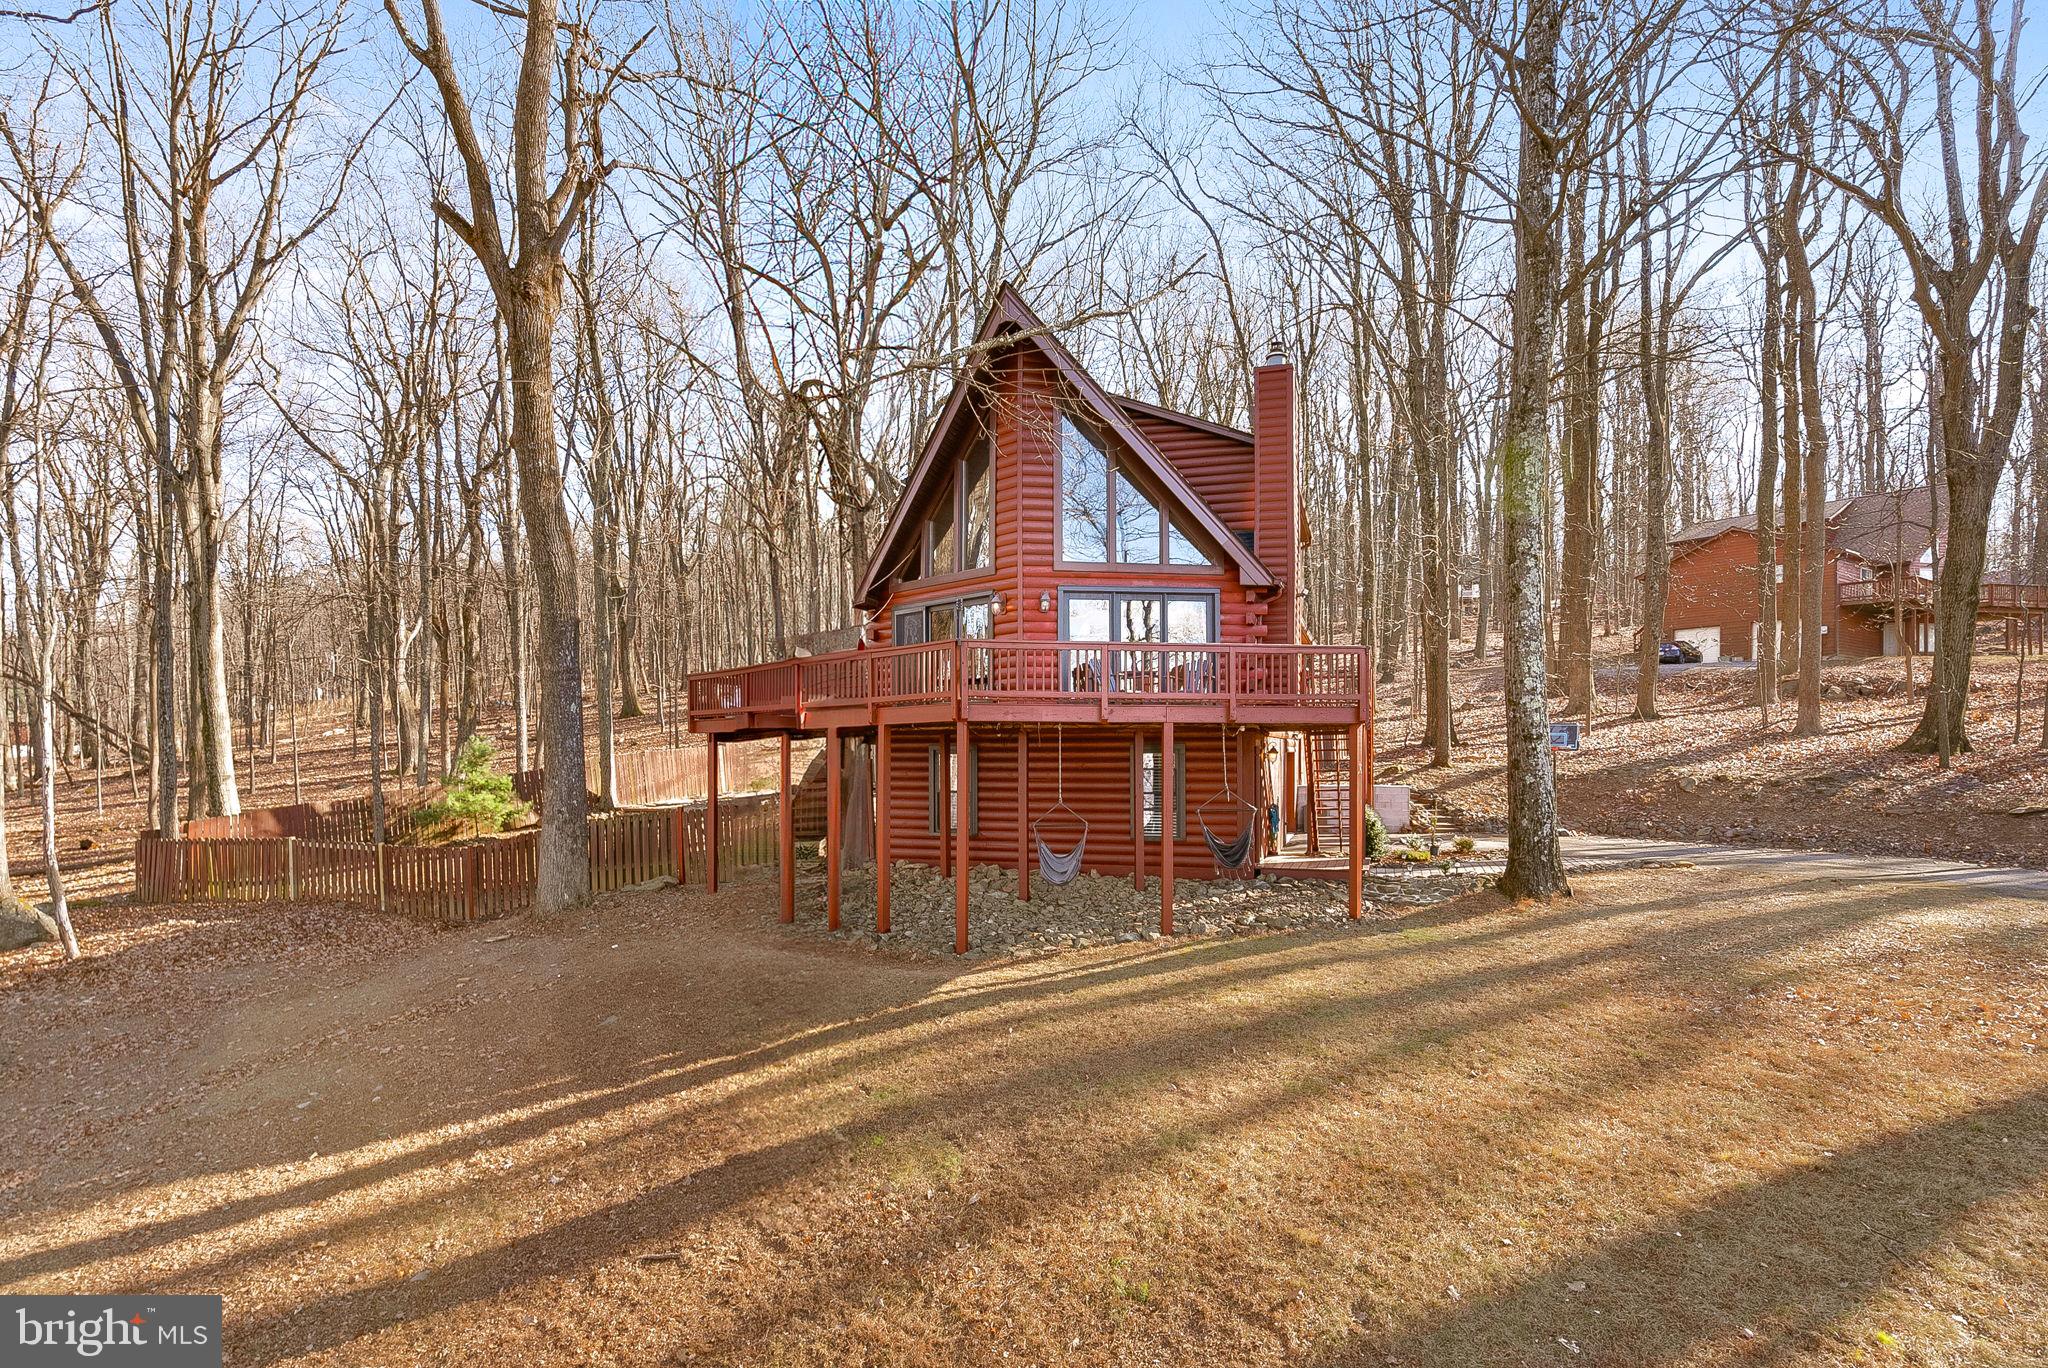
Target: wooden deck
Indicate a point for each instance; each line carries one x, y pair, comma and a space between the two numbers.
1994, 598
1296, 687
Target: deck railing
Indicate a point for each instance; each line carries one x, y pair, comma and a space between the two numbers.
1880, 593
983, 672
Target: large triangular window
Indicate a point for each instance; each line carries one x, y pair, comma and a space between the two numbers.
1107, 516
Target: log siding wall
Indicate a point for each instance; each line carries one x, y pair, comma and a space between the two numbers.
1100, 766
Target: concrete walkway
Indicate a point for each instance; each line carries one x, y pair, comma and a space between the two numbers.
1589, 853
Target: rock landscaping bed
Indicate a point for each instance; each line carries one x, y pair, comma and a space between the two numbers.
1098, 909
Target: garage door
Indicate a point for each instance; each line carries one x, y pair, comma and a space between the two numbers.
1708, 639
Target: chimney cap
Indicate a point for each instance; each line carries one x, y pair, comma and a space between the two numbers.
1276, 352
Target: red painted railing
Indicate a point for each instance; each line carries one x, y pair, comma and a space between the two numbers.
1312, 679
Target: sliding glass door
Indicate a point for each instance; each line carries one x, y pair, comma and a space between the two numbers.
1152, 616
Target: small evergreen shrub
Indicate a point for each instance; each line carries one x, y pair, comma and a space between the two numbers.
1464, 845
476, 801
1375, 836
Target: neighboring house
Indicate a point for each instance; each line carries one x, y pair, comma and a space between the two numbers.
1082, 603
1876, 592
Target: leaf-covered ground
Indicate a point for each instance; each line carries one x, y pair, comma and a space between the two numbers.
1708, 769
1729, 1117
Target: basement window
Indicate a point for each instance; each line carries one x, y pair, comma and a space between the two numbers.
942, 790
1149, 786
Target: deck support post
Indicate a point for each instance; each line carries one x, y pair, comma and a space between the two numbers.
1167, 816
883, 773
1361, 795
833, 820
711, 813
960, 824
1023, 816
785, 838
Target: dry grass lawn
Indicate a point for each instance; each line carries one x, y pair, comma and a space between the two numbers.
1683, 1119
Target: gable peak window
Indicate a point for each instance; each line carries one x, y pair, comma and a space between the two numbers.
942, 544
960, 532
1106, 516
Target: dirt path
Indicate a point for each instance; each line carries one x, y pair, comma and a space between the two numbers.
1785, 1116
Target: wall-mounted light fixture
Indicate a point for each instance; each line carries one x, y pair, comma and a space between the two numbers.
1045, 601
995, 604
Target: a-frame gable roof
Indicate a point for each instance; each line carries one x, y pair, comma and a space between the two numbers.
1009, 316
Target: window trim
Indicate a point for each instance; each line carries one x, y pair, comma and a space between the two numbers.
1114, 592
922, 607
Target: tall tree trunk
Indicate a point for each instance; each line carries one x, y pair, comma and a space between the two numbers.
1578, 549
530, 324
1804, 373
1767, 462
1535, 866
1653, 367
212, 730
1792, 483
603, 514
525, 271
165, 658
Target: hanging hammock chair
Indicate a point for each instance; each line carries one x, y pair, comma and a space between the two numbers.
1059, 867
1234, 855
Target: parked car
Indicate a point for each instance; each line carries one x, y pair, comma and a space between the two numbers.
1678, 653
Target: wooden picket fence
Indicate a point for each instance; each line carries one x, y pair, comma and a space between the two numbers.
659, 774
473, 881
343, 820
668, 774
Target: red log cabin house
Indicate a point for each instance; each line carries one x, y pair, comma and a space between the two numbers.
1877, 591
1082, 642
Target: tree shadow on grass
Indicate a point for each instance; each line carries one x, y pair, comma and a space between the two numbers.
1790, 1259
1492, 987
1473, 1005
847, 1048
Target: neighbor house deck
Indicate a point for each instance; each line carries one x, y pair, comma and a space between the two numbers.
996, 681
1993, 597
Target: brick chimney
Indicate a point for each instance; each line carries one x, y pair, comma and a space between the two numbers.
1276, 497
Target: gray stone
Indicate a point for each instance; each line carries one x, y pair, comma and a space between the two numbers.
21, 925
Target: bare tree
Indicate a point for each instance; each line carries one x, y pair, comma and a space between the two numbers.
1934, 93
525, 271
185, 139
1535, 866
